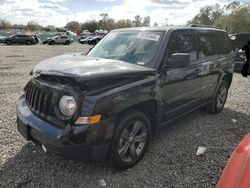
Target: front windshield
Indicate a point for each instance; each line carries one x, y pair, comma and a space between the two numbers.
136, 47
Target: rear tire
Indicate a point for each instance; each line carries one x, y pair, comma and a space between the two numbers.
219, 99
28, 42
130, 140
67, 42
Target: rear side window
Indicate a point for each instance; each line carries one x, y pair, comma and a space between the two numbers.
183, 43
223, 43
206, 48
64, 37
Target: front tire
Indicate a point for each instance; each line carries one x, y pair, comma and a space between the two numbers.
52, 43
8, 42
219, 99
130, 140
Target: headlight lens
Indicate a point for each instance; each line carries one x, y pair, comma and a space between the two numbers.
67, 105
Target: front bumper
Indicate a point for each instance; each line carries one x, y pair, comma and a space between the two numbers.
72, 141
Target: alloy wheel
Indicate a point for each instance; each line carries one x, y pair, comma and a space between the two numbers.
221, 97
132, 141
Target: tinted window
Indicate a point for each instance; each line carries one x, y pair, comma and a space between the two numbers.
206, 48
222, 43
183, 43
64, 37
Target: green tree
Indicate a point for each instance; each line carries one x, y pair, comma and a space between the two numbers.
33, 26
123, 23
73, 25
103, 22
4, 24
90, 25
155, 24
137, 21
146, 21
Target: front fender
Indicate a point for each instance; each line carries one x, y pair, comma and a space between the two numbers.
114, 101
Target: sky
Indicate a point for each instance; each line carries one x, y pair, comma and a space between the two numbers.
59, 12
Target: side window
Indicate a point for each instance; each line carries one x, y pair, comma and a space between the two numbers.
206, 48
183, 43
222, 43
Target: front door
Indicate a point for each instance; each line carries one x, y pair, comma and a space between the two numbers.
181, 87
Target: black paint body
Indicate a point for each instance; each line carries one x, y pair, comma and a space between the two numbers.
109, 87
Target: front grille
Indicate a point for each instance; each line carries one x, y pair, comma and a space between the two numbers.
38, 100
42, 100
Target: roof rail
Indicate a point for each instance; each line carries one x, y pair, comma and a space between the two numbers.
200, 25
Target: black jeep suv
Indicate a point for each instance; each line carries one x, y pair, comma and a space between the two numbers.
105, 105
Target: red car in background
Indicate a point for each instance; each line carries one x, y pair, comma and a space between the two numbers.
237, 171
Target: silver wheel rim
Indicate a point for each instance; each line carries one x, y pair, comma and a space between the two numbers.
222, 96
132, 141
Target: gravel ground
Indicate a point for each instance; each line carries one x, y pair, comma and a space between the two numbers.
170, 161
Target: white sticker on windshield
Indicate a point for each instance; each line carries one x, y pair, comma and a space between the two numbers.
148, 36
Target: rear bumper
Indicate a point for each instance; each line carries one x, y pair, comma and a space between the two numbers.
73, 141
238, 66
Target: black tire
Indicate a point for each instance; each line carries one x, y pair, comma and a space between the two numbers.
52, 42
130, 140
28, 42
67, 42
219, 98
8, 42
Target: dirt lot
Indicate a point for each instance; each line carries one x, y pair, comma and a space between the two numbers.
169, 162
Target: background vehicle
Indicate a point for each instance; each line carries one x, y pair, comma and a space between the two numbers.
94, 40
60, 39
106, 104
236, 172
18, 39
85, 39
238, 41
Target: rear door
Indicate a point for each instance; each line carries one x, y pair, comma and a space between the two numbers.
181, 90
212, 49
16, 39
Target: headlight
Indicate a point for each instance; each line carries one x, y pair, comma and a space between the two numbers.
67, 105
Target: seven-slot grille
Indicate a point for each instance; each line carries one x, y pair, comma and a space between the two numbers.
39, 101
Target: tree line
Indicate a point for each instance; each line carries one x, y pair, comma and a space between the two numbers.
105, 23
234, 17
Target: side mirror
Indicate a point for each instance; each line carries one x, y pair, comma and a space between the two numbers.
178, 60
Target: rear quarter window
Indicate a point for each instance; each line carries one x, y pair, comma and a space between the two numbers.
222, 43
206, 47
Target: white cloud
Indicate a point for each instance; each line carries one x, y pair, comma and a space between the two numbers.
177, 12
56, 1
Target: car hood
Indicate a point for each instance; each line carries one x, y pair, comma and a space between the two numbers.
84, 68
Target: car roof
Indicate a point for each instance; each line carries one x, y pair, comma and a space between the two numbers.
165, 29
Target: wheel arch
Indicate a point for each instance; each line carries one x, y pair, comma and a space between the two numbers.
228, 77
150, 108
